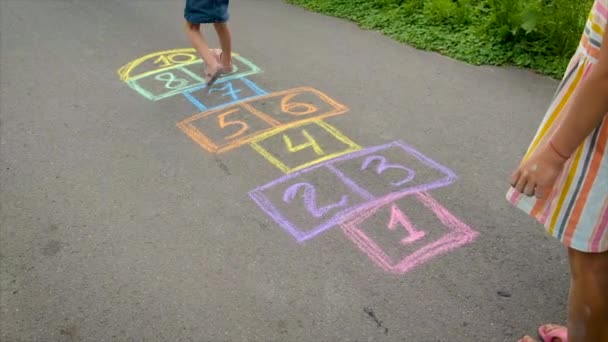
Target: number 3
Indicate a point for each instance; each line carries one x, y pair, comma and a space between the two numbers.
384, 165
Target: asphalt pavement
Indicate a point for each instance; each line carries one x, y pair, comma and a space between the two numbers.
338, 186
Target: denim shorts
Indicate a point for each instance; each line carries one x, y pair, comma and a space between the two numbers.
206, 11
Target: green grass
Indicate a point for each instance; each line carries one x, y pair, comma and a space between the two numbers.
540, 35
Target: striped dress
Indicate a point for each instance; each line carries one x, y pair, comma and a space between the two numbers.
576, 212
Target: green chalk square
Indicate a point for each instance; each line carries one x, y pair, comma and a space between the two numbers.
141, 84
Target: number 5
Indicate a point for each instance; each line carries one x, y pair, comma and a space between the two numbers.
223, 123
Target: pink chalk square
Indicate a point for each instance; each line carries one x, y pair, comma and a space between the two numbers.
401, 234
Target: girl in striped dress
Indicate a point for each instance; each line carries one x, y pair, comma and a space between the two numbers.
563, 182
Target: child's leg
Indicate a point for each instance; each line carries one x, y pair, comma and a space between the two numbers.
223, 33
588, 302
198, 42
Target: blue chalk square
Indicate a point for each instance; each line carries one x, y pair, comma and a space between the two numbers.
223, 94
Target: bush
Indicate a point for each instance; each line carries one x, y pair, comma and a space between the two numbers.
537, 34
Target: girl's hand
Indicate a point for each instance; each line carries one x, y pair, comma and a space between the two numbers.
537, 175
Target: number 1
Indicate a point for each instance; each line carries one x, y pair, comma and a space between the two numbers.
399, 218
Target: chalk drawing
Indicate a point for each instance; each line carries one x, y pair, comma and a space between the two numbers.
275, 119
166, 83
457, 234
359, 198
310, 143
150, 64
391, 174
283, 107
292, 107
310, 199
227, 90
223, 94
384, 165
399, 218
334, 144
171, 59
182, 66
171, 82
368, 185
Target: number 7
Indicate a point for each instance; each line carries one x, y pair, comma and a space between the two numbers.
229, 91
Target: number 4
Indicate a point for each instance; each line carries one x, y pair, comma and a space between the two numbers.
311, 143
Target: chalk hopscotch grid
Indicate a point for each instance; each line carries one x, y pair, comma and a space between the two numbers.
348, 219
276, 126
134, 82
271, 210
459, 235
202, 107
339, 136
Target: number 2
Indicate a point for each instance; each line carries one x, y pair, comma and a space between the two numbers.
310, 200
399, 218
384, 165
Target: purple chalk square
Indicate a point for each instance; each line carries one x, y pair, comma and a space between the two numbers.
394, 168
308, 204
304, 209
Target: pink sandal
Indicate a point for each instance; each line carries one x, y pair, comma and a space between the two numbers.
558, 333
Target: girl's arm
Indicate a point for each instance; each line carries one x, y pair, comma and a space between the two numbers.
588, 109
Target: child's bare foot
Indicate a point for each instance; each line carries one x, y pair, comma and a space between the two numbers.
213, 72
225, 61
553, 333
527, 339
549, 333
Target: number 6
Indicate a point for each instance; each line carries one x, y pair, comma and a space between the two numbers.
289, 107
